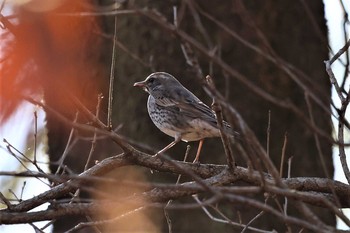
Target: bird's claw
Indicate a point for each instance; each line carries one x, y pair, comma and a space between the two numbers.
197, 162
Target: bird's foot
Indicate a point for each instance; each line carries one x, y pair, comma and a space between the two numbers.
158, 154
196, 162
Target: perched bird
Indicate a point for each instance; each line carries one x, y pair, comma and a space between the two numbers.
178, 113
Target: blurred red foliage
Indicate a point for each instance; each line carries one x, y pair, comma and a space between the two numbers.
48, 48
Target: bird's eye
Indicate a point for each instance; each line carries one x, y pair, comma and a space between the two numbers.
151, 80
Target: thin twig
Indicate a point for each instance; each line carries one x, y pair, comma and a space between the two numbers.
268, 132
22, 189
67, 148
166, 214
285, 206
92, 148
35, 134
284, 147
111, 77
316, 137
6, 201
93, 142
340, 52
10, 147
226, 220
252, 220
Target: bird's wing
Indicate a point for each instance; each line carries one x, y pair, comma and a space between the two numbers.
202, 111
197, 110
187, 104
190, 106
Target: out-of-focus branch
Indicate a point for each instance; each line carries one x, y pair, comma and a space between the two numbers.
157, 18
225, 140
215, 173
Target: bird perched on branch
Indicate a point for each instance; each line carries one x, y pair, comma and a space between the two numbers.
178, 113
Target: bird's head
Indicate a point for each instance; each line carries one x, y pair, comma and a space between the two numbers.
159, 81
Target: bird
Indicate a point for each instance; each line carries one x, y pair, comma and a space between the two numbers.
177, 112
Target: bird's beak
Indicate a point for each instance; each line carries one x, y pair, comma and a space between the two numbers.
140, 84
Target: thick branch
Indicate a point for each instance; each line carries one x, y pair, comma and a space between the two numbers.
321, 185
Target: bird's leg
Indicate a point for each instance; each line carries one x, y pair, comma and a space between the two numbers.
198, 151
173, 143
